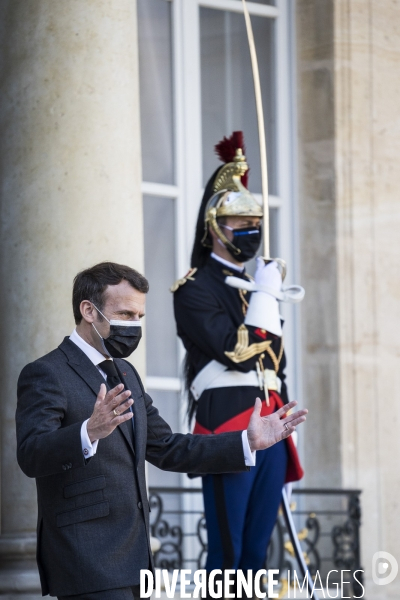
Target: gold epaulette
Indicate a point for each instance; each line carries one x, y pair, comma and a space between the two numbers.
242, 349
179, 282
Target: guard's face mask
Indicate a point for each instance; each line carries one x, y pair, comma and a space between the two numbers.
247, 240
123, 339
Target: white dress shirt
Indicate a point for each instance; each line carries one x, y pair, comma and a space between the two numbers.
89, 448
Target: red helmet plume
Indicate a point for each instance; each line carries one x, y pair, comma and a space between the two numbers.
226, 150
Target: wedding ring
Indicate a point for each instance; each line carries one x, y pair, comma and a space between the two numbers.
286, 426
116, 413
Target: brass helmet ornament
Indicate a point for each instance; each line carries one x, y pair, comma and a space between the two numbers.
230, 197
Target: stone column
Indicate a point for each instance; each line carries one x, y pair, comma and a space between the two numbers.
70, 197
317, 210
349, 139
367, 92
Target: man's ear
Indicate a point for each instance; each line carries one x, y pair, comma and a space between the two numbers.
88, 311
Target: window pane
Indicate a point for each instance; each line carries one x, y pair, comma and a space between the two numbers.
159, 236
227, 93
156, 90
168, 405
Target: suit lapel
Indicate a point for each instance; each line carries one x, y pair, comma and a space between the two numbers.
126, 430
84, 367
81, 364
131, 383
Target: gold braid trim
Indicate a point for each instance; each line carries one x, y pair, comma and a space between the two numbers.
242, 349
280, 351
183, 280
276, 360
245, 304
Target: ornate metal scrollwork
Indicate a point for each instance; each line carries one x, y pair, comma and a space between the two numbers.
346, 542
169, 556
344, 535
311, 540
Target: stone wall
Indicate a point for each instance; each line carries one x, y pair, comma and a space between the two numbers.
70, 172
367, 98
317, 209
349, 148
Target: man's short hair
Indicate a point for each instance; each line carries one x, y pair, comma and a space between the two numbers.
92, 283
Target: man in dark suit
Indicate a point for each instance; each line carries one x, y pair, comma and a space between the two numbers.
85, 427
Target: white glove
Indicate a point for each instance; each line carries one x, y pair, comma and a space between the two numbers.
263, 310
268, 280
268, 275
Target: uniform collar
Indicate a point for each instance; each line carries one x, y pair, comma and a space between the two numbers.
226, 263
222, 268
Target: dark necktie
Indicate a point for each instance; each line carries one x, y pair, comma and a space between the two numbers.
113, 379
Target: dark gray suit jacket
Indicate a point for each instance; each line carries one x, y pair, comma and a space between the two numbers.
93, 522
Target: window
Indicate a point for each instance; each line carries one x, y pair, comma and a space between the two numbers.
195, 87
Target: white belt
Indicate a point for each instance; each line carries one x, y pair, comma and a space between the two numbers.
217, 375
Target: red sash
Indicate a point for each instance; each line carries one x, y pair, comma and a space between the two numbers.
294, 470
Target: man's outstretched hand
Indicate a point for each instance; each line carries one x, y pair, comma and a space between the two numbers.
110, 410
264, 432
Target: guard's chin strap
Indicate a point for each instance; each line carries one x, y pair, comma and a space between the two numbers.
214, 225
290, 293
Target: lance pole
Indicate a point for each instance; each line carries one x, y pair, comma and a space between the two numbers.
264, 181
261, 129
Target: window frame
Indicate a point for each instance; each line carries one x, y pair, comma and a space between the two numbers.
187, 190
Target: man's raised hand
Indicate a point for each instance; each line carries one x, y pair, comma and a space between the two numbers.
264, 432
109, 411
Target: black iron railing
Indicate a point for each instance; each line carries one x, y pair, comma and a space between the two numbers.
328, 523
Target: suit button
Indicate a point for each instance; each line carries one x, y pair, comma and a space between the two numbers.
140, 505
69, 465
64, 467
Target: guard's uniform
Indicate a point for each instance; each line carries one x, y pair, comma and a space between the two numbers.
240, 509
230, 364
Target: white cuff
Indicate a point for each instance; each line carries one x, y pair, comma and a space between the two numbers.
249, 456
263, 312
88, 448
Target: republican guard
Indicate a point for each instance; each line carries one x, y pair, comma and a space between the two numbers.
234, 345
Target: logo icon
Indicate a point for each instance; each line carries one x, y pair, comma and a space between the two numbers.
384, 568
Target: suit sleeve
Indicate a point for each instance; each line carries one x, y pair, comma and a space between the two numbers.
44, 446
203, 322
198, 454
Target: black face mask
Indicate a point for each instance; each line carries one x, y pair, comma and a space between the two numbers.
247, 240
124, 337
